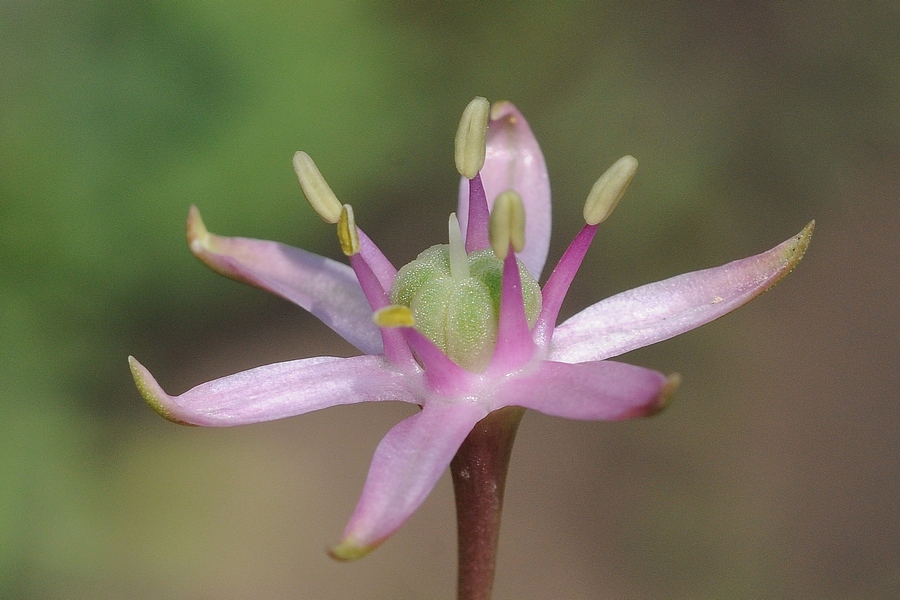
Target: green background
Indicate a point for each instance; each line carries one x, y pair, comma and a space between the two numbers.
774, 474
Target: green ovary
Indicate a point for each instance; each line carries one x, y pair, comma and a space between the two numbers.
460, 315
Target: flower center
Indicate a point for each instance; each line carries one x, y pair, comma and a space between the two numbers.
458, 308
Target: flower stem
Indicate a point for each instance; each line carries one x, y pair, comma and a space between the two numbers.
479, 478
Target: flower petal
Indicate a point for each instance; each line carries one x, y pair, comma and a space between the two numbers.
514, 161
591, 391
277, 391
326, 288
407, 464
661, 310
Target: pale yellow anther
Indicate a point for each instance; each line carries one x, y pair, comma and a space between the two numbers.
316, 189
507, 223
470, 137
608, 190
392, 316
346, 230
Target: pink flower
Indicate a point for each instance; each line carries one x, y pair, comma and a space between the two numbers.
465, 329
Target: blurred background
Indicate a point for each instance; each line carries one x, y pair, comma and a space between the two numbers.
773, 475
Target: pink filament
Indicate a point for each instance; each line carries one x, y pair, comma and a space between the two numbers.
478, 217
379, 264
395, 347
514, 344
557, 286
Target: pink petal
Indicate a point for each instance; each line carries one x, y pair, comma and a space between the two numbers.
661, 310
407, 464
592, 391
277, 391
514, 161
326, 288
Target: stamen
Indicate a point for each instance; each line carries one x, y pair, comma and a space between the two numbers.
514, 346
316, 189
395, 346
476, 215
392, 316
507, 224
326, 204
444, 376
608, 190
554, 291
470, 138
347, 231
379, 263
603, 198
459, 260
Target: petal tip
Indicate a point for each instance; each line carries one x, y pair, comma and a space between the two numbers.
349, 549
793, 250
664, 398
151, 391
200, 240
660, 402
197, 234
208, 247
501, 109
802, 240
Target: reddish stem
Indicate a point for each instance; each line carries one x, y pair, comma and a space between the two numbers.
479, 478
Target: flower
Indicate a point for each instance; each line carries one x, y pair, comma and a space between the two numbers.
465, 329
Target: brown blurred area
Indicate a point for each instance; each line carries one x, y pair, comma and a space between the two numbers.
776, 471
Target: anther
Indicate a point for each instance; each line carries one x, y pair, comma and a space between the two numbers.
346, 231
316, 189
608, 190
470, 138
507, 223
395, 315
